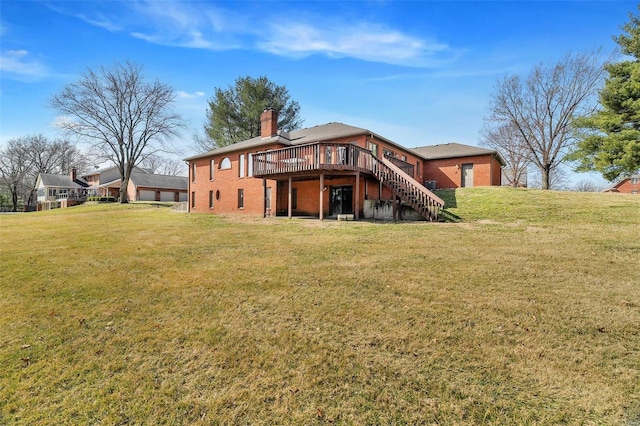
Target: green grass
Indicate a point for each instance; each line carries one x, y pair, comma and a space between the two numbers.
526, 312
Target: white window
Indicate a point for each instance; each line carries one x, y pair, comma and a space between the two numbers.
250, 167
225, 164
241, 166
211, 169
52, 192
373, 147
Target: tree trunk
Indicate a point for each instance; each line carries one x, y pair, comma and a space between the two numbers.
123, 190
14, 199
126, 176
546, 177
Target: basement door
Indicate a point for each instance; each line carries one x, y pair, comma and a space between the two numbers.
467, 175
341, 200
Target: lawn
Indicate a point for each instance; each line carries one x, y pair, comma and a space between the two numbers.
527, 311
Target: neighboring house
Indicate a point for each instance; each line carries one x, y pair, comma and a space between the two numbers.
328, 170
455, 165
64, 189
151, 187
143, 185
628, 185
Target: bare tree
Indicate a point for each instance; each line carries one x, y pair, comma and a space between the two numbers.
15, 163
24, 158
509, 143
202, 143
55, 157
72, 157
161, 165
559, 178
541, 107
586, 185
120, 115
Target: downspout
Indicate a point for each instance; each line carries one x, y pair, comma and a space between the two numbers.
264, 198
491, 171
189, 201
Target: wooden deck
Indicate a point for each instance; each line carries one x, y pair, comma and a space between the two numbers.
318, 157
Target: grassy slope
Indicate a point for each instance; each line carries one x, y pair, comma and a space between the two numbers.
527, 313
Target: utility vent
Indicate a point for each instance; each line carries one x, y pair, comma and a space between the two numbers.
430, 184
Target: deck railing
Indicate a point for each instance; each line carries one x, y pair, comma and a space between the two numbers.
311, 157
69, 196
408, 168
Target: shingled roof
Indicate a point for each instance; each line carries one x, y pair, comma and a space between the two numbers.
324, 132
147, 180
59, 181
614, 185
454, 150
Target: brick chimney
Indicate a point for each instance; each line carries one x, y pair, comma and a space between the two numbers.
73, 174
268, 123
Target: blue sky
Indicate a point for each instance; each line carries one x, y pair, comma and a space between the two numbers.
416, 72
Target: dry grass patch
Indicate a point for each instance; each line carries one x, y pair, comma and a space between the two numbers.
136, 314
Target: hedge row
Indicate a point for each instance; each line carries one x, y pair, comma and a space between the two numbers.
102, 199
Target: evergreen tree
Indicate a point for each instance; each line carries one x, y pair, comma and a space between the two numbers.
234, 114
611, 137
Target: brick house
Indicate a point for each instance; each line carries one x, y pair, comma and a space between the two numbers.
629, 185
455, 165
328, 170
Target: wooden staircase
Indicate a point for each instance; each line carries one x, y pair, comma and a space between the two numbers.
403, 186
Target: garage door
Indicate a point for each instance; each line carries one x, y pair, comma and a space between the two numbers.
167, 196
183, 196
147, 195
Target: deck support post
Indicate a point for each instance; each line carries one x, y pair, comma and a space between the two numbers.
290, 198
321, 195
357, 194
395, 208
264, 198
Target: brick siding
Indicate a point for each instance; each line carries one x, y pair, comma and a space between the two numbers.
448, 172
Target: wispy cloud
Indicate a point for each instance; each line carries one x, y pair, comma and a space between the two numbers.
212, 27
21, 65
366, 41
185, 95
190, 25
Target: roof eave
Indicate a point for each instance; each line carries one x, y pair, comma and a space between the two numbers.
240, 146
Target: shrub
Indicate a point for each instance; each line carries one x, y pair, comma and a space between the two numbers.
102, 199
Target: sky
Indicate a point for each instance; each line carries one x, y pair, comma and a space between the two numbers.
416, 72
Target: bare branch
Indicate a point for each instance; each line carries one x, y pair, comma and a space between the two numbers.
121, 115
